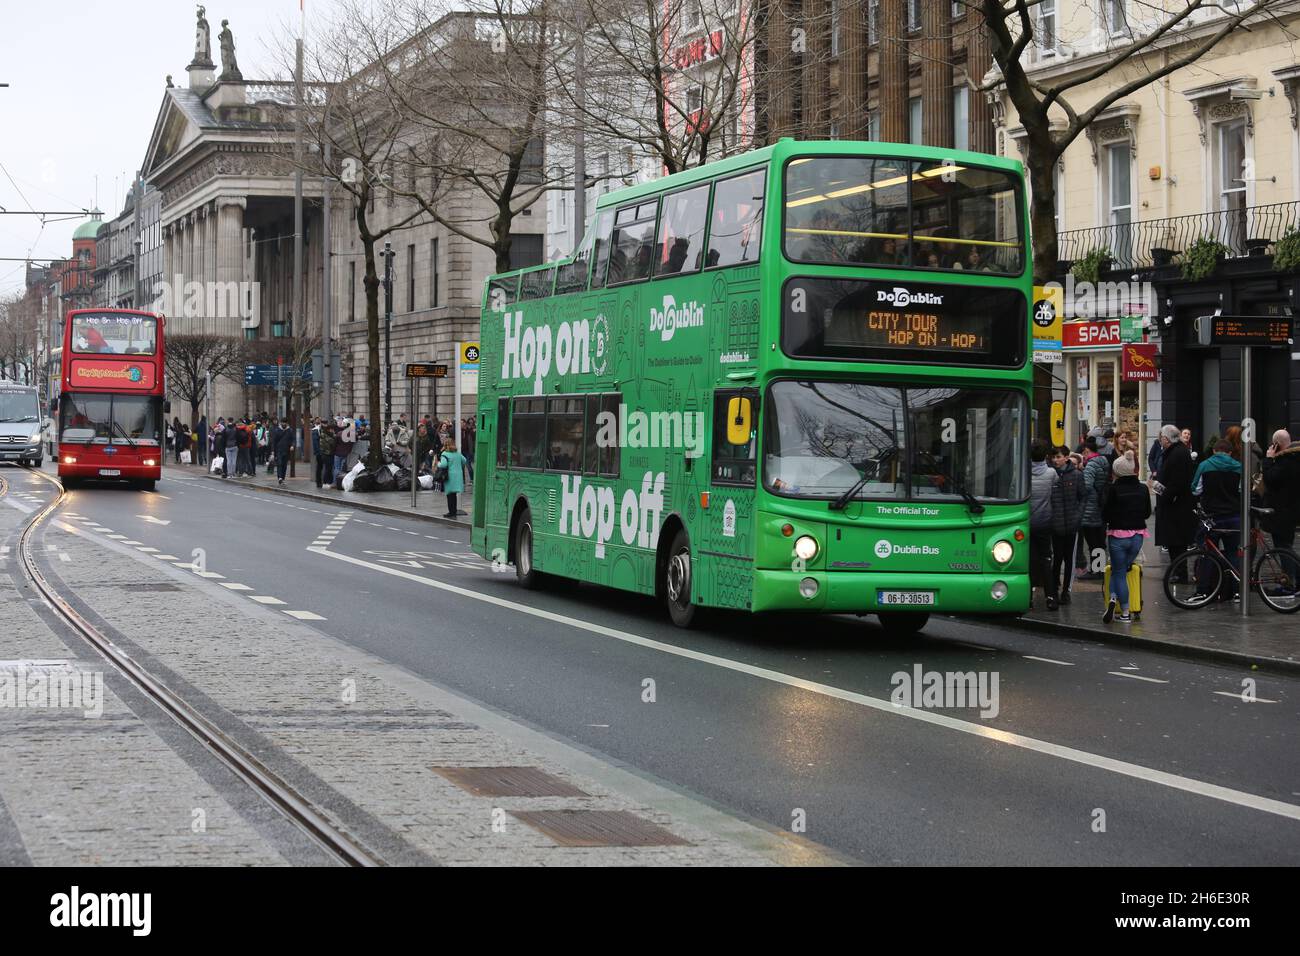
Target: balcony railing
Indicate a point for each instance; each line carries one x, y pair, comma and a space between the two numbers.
1156, 242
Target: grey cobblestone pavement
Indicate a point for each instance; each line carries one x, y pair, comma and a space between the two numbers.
78, 790
356, 735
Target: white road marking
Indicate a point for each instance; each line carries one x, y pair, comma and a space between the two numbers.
1150, 680
235, 587
1097, 761
264, 599
147, 550
133, 542
64, 556
1047, 660
152, 520
305, 615
118, 537
173, 557
1237, 696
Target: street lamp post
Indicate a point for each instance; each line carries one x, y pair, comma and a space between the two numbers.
388, 322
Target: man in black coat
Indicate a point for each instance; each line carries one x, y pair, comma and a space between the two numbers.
282, 445
1177, 507
1281, 470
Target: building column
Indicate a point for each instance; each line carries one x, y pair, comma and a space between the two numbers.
853, 70
979, 59
894, 85
936, 73
816, 73
187, 269
229, 250
780, 72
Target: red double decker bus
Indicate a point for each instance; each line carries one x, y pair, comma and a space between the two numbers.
111, 414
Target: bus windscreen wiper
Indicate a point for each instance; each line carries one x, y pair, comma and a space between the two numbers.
972, 503
842, 501
118, 426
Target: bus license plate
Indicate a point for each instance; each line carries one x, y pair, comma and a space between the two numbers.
110, 472
905, 597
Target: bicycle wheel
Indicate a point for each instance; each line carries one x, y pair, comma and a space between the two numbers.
1277, 577
1193, 579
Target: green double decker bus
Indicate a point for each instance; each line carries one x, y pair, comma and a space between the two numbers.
797, 379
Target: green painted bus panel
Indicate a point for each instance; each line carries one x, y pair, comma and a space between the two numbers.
666, 346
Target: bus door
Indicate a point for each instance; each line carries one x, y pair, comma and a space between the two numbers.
725, 538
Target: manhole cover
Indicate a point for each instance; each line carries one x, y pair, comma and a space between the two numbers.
597, 828
509, 782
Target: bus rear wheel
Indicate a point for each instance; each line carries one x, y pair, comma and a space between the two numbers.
525, 573
678, 583
902, 623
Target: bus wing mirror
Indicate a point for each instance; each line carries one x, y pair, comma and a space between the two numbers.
740, 417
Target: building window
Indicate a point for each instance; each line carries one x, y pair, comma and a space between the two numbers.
873, 21
532, 161
1118, 193
434, 274
873, 125
1047, 28
410, 278
835, 27
913, 15
352, 291
1230, 184
835, 131
961, 118
914, 120
958, 8
1116, 16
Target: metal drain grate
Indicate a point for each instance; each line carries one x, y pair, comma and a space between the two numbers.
598, 828
509, 782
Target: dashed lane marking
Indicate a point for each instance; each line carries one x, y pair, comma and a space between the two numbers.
172, 557
264, 599
1243, 699
304, 615
147, 550
231, 585
1162, 778
1149, 680
1047, 660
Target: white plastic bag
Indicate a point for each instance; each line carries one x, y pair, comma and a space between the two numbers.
393, 470
217, 465
185, 456
426, 482
351, 476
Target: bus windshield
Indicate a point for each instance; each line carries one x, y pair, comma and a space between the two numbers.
936, 443
110, 418
18, 405
897, 213
114, 334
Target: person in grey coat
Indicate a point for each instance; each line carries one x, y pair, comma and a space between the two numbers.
1067, 518
1096, 479
1042, 479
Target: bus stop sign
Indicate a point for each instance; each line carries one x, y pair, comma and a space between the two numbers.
1256, 331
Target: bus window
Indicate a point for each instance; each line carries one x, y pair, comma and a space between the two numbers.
604, 223
680, 248
84, 418
503, 292
591, 459
735, 236
564, 428
528, 433
609, 463
537, 285
114, 333
632, 246
503, 433
965, 218
572, 275
733, 462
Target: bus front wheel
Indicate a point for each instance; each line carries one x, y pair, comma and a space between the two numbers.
678, 583
525, 573
902, 623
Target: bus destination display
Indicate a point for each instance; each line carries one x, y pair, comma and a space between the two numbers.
908, 329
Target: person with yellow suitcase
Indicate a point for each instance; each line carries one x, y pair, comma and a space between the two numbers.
1126, 510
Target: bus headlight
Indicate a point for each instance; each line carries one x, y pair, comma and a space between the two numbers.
805, 547
149, 461
1003, 552
69, 460
808, 588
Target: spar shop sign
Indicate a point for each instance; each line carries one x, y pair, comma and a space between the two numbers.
1091, 335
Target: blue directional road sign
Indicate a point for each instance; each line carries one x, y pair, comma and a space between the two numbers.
269, 375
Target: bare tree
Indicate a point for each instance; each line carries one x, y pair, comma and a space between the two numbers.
191, 358
1154, 48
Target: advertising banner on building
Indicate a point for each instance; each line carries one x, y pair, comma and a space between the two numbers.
1139, 364
1092, 335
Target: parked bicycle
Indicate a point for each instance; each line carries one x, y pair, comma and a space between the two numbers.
1196, 577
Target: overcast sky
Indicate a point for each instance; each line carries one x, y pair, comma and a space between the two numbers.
85, 83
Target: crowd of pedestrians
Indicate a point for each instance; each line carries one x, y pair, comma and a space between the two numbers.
1091, 510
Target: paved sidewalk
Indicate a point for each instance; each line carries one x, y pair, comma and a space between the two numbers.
1218, 632
432, 505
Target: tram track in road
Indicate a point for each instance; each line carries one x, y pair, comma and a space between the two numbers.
266, 783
